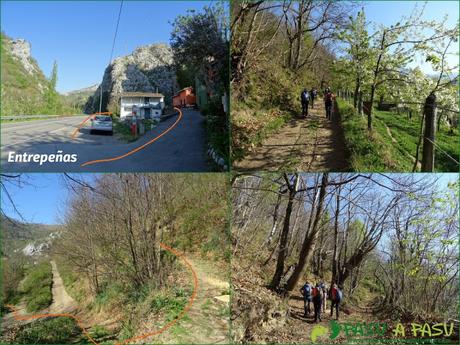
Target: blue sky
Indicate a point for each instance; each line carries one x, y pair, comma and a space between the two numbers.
40, 198
79, 34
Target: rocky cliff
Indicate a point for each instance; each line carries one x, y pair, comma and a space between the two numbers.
23, 82
147, 69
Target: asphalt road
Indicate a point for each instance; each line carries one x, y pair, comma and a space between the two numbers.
182, 149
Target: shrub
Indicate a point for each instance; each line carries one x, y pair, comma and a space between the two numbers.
51, 331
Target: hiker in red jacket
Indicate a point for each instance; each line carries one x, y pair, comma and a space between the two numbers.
328, 103
335, 295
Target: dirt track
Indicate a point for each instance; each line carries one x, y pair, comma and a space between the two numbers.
62, 302
313, 144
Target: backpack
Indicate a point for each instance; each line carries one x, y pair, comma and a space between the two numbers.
306, 290
316, 293
305, 96
329, 97
336, 294
340, 295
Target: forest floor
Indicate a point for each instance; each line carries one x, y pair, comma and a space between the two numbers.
303, 144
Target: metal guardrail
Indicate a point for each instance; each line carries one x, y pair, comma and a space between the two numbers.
25, 117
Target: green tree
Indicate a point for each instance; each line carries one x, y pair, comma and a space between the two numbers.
52, 103
200, 44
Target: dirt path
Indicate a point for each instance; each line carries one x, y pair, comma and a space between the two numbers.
62, 302
311, 144
207, 321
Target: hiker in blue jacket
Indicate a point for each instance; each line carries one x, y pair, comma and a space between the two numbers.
307, 297
305, 99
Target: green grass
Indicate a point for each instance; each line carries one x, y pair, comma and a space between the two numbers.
59, 330
406, 132
36, 287
172, 303
377, 152
98, 331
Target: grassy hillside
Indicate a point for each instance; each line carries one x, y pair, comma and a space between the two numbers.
77, 99
393, 143
22, 92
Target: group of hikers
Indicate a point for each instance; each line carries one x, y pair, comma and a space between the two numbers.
318, 294
307, 97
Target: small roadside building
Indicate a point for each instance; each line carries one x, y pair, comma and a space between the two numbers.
184, 98
148, 105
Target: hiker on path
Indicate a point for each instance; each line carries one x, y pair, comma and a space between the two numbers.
306, 293
313, 94
328, 103
305, 99
335, 295
323, 287
317, 301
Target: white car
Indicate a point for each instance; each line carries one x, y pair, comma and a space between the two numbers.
102, 123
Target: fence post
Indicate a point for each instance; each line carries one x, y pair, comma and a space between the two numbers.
429, 133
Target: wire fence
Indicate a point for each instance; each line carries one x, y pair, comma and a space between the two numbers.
424, 107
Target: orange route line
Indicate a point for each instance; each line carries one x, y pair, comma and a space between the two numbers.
159, 331
139, 147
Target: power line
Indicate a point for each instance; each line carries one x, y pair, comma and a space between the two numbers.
111, 52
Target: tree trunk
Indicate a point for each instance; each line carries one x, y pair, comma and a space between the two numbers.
310, 238
356, 94
282, 249
429, 134
360, 103
335, 255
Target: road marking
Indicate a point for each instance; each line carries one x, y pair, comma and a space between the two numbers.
139, 147
159, 331
34, 138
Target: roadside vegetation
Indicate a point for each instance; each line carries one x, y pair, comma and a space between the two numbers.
122, 130
36, 287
